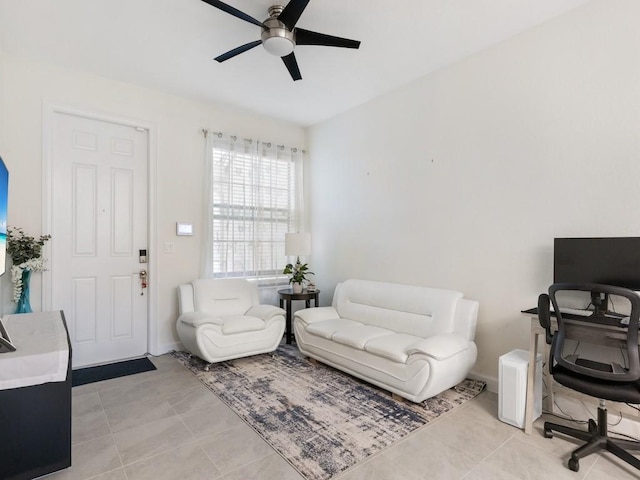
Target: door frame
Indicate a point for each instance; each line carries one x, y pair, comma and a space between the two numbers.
48, 114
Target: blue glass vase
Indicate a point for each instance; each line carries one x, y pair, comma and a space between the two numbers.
23, 305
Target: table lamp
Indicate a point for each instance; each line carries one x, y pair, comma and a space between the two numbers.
296, 244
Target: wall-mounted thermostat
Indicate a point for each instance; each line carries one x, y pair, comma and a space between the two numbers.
184, 229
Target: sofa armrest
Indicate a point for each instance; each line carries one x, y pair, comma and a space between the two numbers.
316, 314
440, 347
198, 318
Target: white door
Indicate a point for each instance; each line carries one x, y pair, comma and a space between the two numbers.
99, 226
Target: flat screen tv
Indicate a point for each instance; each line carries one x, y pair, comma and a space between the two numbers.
4, 196
608, 260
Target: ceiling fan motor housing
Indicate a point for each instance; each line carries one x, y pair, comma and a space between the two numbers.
277, 39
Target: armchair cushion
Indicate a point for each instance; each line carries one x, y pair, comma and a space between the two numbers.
241, 323
198, 318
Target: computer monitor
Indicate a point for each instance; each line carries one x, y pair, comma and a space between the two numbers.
4, 196
607, 260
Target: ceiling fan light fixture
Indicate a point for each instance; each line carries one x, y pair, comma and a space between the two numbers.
278, 46
280, 36
276, 38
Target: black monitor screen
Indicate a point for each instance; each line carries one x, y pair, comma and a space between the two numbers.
610, 261
4, 196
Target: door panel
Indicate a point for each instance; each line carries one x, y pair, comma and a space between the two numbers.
99, 222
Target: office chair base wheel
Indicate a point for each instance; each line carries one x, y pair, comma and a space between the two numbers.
574, 464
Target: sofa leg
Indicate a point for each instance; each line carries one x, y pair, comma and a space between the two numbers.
397, 397
313, 361
207, 367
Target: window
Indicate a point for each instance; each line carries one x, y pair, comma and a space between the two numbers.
254, 187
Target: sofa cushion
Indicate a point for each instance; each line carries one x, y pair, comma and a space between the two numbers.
357, 336
241, 323
393, 347
326, 328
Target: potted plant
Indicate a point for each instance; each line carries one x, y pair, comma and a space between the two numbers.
298, 273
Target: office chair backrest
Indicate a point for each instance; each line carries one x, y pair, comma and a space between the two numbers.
582, 344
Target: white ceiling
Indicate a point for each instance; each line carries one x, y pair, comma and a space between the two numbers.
169, 45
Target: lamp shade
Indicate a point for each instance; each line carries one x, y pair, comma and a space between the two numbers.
296, 244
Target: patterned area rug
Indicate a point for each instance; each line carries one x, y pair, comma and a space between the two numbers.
320, 420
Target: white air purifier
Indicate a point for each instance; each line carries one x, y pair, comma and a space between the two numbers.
512, 377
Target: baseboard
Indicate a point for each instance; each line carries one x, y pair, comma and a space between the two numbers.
166, 348
492, 382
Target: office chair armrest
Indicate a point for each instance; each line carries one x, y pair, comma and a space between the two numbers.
440, 347
544, 315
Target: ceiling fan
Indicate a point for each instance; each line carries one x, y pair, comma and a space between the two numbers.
280, 35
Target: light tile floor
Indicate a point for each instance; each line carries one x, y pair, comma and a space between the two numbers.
166, 425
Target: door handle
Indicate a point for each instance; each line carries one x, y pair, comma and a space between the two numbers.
143, 276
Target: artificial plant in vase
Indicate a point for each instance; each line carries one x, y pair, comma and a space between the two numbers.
26, 253
298, 273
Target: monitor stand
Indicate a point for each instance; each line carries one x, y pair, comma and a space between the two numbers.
600, 302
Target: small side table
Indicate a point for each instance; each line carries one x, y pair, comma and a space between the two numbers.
287, 296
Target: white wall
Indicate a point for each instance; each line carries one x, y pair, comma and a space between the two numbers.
463, 178
26, 86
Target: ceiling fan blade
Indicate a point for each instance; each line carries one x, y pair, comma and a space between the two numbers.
237, 51
234, 11
292, 65
307, 37
292, 12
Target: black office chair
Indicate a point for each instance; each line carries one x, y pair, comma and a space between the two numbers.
579, 361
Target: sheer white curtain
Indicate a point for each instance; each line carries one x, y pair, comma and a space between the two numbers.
253, 196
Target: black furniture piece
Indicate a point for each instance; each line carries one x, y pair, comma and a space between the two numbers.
35, 420
287, 296
607, 366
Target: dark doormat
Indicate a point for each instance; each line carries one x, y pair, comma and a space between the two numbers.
82, 376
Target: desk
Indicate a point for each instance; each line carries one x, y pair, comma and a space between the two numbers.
287, 296
613, 333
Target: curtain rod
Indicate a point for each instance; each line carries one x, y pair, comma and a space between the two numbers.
205, 132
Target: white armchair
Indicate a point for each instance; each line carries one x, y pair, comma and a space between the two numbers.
222, 319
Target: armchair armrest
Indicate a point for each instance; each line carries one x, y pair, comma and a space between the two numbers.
196, 319
317, 314
265, 312
440, 347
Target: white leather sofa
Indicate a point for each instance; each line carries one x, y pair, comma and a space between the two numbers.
412, 341
221, 319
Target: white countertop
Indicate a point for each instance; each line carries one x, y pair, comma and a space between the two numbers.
42, 350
